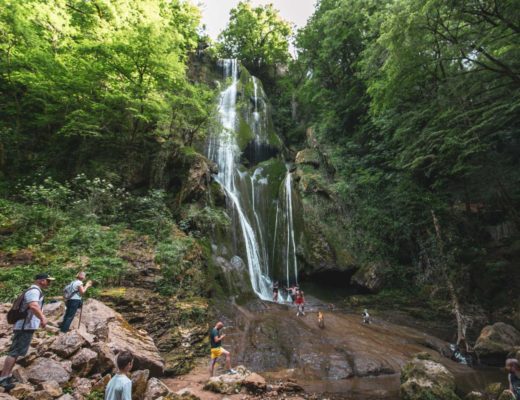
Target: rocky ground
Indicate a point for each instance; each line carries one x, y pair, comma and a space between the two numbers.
292, 358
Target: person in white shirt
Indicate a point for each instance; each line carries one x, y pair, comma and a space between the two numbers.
23, 329
120, 386
72, 293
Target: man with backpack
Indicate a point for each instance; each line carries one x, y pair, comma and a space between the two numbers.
72, 295
27, 315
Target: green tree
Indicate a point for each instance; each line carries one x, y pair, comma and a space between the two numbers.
257, 36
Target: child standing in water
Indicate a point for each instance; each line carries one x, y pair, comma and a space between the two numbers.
513, 368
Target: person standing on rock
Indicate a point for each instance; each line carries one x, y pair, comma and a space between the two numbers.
72, 295
120, 386
217, 350
23, 330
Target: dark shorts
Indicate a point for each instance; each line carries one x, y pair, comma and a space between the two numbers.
21, 342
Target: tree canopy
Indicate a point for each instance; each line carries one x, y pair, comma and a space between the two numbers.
258, 36
92, 72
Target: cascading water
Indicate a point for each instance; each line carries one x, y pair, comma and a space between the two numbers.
224, 151
290, 258
259, 196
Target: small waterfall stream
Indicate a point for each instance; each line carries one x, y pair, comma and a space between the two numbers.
264, 222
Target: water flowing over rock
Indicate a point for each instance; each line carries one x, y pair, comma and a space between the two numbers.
244, 138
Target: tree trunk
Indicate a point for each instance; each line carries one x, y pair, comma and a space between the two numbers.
454, 299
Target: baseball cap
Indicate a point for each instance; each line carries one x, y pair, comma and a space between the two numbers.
40, 277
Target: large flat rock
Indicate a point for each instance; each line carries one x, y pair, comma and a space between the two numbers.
119, 335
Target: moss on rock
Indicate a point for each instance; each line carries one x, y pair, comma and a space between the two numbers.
427, 380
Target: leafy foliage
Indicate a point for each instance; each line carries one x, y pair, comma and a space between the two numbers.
257, 36
78, 76
416, 104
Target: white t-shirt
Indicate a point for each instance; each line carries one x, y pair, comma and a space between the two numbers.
75, 288
119, 388
31, 322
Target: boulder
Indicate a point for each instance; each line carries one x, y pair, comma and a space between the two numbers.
5, 396
51, 387
110, 326
309, 157
370, 277
105, 357
39, 395
21, 390
45, 369
154, 389
506, 395
81, 386
255, 383
66, 397
496, 342
426, 379
139, 383
102, 383
84, 361
67, 344
227, 384
493, 390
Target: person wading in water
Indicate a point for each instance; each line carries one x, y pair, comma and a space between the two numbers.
217, 350
275, 291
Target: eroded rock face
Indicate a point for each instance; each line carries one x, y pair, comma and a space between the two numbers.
496, 342
110, 326
45, 369
426, 379
370, 276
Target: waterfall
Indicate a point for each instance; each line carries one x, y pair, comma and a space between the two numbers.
224, 150
290, 245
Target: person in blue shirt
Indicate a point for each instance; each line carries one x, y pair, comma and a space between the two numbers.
120, 386
24, 329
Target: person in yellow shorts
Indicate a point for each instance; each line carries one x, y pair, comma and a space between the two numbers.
217, 350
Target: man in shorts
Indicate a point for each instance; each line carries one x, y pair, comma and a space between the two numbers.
217, 350
23, 329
